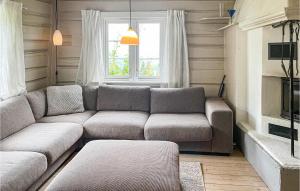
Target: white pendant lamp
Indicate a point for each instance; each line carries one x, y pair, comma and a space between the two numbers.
57, 36
130, 37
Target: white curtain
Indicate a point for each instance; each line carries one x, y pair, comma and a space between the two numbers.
92, 57
12, 67
176, 64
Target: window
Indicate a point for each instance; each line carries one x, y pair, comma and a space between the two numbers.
118, 55
149, 50
134, 63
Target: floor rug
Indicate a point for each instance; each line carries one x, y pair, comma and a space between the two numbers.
191, 176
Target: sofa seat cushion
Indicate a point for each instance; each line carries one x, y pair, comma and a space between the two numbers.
50, 139
116, 125
178, 127
78, 118
19, 170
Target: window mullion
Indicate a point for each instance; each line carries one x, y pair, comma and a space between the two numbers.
134, 54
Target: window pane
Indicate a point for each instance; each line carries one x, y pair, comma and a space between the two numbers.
149, 49
118, 55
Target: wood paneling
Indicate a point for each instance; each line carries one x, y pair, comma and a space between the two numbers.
37, 7
206, 76
35, 60
36, 34
199, 51
35, 73
205, 42
36, 45
66, 74
143, 5
36, 84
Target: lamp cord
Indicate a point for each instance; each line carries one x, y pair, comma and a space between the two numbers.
296, 31
282, 45
130, 13
56, 15
297, 40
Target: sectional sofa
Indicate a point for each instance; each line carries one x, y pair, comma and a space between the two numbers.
40, 130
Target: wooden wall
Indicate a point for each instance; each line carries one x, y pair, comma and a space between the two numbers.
37, 16
206, 44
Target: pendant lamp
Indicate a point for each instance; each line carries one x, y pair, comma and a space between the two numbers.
130, 37
57, 36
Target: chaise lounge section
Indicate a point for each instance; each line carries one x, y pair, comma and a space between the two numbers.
186, 117
21, 135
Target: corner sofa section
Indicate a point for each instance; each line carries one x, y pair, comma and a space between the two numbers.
183, 116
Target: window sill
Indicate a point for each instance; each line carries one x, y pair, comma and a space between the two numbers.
156, 84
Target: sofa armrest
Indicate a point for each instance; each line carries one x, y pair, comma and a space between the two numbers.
220, 117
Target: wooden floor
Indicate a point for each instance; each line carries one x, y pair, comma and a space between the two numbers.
227, 173
221, 173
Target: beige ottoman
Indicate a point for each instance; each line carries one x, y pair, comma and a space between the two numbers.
121, 165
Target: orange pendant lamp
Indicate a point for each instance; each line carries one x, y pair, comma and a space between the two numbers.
57, 36
130, 37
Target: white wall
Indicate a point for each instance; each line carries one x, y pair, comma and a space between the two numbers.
205, 43
254, 72
243, 66
236, 63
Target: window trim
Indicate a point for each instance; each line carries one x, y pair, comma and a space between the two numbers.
137, 17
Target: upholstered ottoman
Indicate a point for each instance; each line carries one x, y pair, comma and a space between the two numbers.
113, 165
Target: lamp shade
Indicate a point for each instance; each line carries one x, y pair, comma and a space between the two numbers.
57, 38
130, 37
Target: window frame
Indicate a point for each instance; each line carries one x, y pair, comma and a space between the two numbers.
137, 17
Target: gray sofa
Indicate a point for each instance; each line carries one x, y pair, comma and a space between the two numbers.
183, 116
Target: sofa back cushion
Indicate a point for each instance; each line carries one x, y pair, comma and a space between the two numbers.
15, 114
38, 103
64, 99
123, 98
177, 100
90, 94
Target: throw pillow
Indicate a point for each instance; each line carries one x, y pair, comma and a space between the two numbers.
64, 99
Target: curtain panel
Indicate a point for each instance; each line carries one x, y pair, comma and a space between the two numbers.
92, 51
12, 67
176, 63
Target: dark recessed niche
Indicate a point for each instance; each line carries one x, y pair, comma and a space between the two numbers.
282, 131
275, 51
